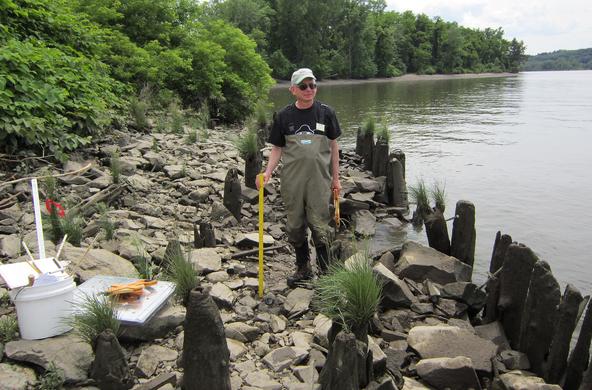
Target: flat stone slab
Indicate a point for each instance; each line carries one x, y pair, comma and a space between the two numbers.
452, 341
284, 357
453, 373
298, 300
418, 263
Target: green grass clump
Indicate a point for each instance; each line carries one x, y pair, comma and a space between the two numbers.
438, 192
349, 294
261, 115
94, 315
369, 126
138, 109
52, 379
145, 266
420, 196
247, 143
191, 137
179, 270
105, 222
383, 133
8, 328
115, 166
72, 226
177, 118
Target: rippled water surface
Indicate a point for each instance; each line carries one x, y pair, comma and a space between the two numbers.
517, 147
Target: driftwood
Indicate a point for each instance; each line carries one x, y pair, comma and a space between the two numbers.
107, 195
69, 173
250, 252
159, 381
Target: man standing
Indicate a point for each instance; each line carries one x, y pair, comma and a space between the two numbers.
305, 134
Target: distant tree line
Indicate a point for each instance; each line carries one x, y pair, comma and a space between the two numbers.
560, 60
68, 66
359, 39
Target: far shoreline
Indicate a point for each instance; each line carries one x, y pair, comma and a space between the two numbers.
404, 78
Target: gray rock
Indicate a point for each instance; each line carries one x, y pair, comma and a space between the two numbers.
452, 373
284, 357
465, 292
155, 160
153, 222
140, 183
10, 246
395, 293
278, 324
366, 185
236, 349
218, 276
67, 352
222, 295
322, 326
451, 341
364, 223
521, 380
174, 171
14, 377
151, 357
206, 260
494, 332
412, 384
97, 262
298, 301
241, 332
252, 239
262, 380
419, 263
306, 374
379, 358
164, 321
302, 339
514, 360
200, 195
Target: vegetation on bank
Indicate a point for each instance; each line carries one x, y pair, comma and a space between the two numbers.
69, 69
560, 60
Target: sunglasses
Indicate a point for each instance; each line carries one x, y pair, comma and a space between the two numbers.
303, 86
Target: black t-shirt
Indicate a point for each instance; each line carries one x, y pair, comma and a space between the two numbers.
292, 120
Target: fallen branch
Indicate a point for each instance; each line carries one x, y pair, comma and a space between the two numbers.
76, 172
250, 252
84, 208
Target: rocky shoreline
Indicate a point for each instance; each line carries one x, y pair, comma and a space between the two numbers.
428, 334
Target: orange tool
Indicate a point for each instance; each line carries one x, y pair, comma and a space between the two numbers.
336, 204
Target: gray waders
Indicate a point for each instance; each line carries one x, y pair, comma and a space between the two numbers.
306, 191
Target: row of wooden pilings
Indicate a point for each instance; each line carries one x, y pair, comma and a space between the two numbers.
522, 293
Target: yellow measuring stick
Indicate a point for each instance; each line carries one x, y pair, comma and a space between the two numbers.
260, 178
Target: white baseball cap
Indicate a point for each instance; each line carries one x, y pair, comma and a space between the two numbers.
301, 74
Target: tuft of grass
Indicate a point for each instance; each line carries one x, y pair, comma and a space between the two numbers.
93, 315
155, 146
177, 118
191, 137
115, 166
247, 143
261, 115
145, 266
420, 196
179, 270
52, 379
438, 192
105, 222
138, 109
369, 126
50, 186
383, 133
8, 328
72, 226
348, 294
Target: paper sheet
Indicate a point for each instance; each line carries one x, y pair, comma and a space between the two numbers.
17, 274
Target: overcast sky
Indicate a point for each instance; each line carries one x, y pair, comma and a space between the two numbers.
543, 25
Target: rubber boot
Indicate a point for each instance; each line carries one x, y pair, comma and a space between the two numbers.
322, 259
303, 269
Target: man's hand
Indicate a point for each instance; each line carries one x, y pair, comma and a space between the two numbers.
336, 184
266, 177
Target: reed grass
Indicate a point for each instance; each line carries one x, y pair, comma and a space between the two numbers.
72, 226
348, 294
419, 195
115, 167
369, 126
93, 315
247, 143
383, 133
178, 269
438, 192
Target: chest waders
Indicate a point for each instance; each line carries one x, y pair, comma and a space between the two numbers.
306, 188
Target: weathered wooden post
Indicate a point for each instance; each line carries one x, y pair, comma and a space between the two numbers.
399, 155
395, 184
587, 379
203, 235
514, 282
359, 141
232, 193
368, 149
437, 232
252, 169
580, 356
463, 233
380, 157
540, 313
500, 246
564, 327
110, 369
347, 365
206, 359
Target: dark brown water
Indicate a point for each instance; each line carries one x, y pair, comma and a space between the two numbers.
517, 147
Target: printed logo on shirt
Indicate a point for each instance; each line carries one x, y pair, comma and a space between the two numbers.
304, 130
306, 141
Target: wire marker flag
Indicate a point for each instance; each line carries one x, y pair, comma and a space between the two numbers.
261, 190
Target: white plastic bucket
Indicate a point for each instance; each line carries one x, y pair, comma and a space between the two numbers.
42, 310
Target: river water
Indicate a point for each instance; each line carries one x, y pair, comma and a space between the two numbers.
517, 147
